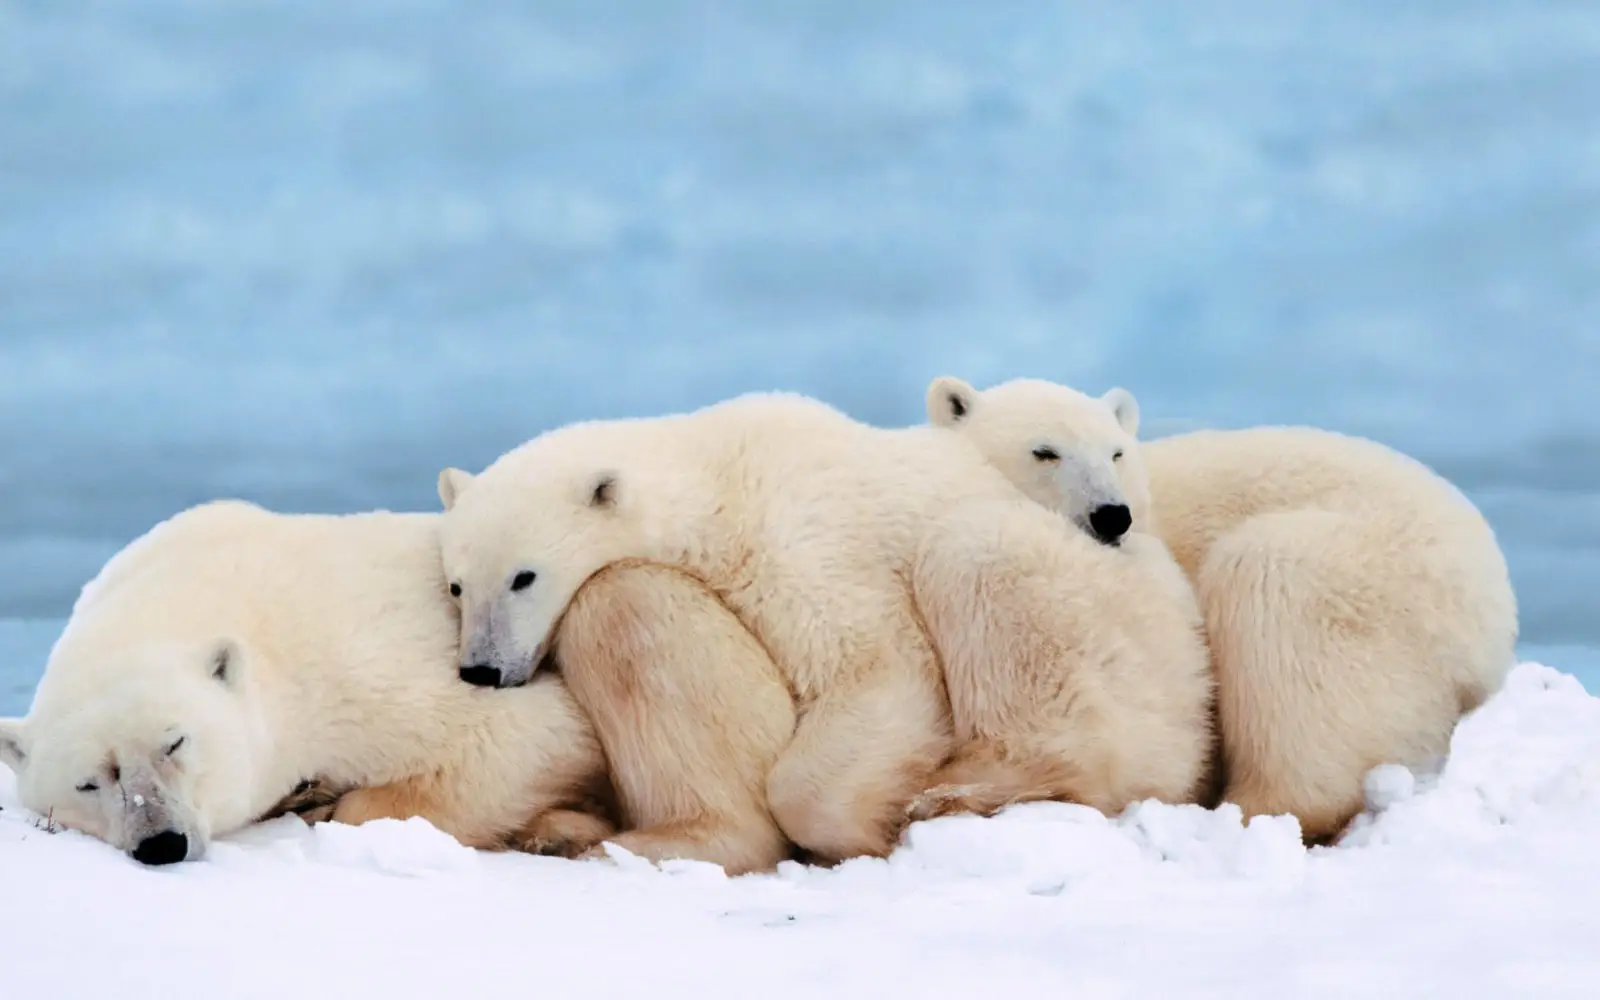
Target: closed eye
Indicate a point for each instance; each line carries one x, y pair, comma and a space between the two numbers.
172, 748
1045, 453
89, 786
1117, 455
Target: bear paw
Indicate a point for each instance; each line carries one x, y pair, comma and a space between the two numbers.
312, 800
944, 800
563, 833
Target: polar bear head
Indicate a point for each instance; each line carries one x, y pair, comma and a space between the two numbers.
1074, 453
146, 746
148, 727
520, 538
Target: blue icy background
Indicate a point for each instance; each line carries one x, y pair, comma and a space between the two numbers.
310, 253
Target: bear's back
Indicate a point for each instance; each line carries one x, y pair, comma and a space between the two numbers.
294, 586
1220, 477
812, 467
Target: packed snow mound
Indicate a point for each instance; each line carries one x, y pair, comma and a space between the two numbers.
1480, 878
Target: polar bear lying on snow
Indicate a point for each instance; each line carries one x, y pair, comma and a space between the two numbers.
1356, 604
233, 653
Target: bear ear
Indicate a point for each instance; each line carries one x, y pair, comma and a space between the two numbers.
452, 483
603, 490
226, 661
12, 753
949, 401
1124, 407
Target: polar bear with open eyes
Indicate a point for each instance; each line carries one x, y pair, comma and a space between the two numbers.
866, 561
233, 654
1356, 604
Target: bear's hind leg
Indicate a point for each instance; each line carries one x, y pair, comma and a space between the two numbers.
1306, 611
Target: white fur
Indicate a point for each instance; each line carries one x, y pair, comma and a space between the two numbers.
1077, 671
336, 647
1356, 603
690, 710
807, 524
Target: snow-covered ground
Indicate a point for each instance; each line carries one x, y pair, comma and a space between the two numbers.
1482, 882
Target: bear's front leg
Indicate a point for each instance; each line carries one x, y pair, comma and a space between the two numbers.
862, 751
399, 800
404, 799
690, 709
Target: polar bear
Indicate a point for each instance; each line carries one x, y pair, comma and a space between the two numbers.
233, 655
809, 525
1356, 604
1075, 672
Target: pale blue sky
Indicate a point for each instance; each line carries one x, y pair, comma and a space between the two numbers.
308, 255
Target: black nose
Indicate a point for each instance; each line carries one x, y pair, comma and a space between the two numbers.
1110, 522
165, 848
482, 675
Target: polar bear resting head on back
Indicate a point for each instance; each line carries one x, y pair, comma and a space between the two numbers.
234, 654
578, 496
1076, 454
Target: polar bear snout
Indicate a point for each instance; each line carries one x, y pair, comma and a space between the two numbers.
489, 665
165, 848
1109, 522
156, 828
494, 653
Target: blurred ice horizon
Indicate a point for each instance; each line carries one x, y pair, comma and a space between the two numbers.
309, 256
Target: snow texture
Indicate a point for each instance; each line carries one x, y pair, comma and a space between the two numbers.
1477, 881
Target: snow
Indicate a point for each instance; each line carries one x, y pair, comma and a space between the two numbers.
1479, 880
